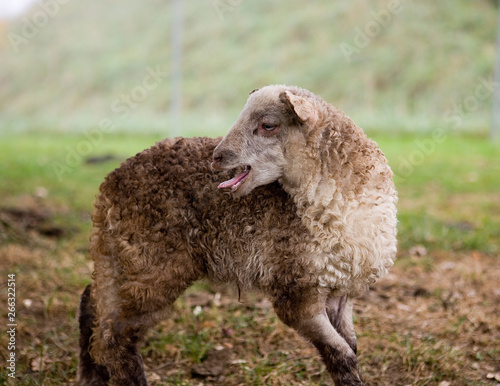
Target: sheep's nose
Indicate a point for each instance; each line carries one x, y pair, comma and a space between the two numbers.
217, 160
223, 158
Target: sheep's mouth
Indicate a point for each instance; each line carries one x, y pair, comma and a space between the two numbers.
235, 182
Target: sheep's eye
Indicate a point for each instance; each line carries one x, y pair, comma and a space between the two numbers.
268, 127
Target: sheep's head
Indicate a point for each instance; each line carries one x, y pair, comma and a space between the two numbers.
275, 120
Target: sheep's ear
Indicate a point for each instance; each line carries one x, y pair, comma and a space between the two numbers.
251, 92
302, 108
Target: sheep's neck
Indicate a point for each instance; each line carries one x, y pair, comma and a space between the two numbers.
322, 181
319, 199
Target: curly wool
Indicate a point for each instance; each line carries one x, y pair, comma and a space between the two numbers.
347, 200
163, 205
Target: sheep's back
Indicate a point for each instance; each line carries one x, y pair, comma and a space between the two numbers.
165, 201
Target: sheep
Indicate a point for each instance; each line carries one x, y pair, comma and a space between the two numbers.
305, 211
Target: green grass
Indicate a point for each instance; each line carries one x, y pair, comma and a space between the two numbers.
450, 199
31, 161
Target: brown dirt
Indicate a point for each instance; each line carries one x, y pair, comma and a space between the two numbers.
27, 224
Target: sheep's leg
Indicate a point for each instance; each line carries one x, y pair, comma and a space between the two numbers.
127, 310
89, 373
117, 341
339, 310
119, 337
310, 319
124, 360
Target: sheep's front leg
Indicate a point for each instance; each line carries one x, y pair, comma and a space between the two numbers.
309, 318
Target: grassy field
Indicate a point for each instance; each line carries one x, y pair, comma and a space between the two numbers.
401, 67
432, 321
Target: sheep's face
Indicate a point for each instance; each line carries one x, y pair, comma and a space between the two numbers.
272, 121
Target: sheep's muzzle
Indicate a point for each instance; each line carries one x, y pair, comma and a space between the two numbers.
235, 182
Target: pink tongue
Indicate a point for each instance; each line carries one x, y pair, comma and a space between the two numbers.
233, 181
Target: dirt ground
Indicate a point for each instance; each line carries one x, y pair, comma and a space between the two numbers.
434, 320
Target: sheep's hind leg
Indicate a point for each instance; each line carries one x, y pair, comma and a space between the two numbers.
310, 319
89, 372
127, 315
109, 343
119, 338
339, 310
124, 360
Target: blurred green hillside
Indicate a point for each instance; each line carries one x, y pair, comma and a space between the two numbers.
391, 65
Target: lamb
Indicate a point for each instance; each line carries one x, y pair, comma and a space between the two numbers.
308, 218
